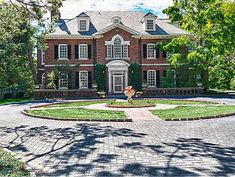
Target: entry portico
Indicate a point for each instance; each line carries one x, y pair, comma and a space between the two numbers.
117, 76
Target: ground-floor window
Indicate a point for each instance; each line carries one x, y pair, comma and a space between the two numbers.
63, 81
43, 79
151, 78
83, 79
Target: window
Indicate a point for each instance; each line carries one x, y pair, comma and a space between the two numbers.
149, 25
63, 51
63, 81
117, 48
83, 51
151, 51
43, 79
83, 79
109, 51
42, 57
82, 25
125, 51
151, 78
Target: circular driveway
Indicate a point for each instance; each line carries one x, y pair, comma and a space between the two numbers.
141, 148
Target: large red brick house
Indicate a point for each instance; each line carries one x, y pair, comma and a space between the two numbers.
113, 38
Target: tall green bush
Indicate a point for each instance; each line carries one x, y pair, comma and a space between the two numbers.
100, 77
135, 76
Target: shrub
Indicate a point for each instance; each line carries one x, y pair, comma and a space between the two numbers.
8, 96
20, 94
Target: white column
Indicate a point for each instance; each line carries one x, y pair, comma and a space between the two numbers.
110, 81
126, 78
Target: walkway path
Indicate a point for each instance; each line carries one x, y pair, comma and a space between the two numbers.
141, 148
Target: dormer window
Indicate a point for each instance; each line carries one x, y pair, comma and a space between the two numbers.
83, 25
149, 22
83, 22
149, 25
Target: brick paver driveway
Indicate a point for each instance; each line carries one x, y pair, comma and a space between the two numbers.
141, 148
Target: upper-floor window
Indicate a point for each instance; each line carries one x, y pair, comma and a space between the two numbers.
117, 47
151, 52
63, 51
149, 25
83, 51
63, 81
151, 78
42, 57
83, 25
83, 79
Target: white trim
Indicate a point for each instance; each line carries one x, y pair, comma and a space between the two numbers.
43, 58
59, 58
67, 78
79, 57
155, 82
43, 77
80, 79
154, 51
41, 69
87, 24
108, 51
154, 24
70, 65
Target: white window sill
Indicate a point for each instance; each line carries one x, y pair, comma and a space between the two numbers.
83, 88
83, 59
63, 59
63, 88
151, 58
151, 87
117, 58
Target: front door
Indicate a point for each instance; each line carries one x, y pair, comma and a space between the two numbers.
117, 84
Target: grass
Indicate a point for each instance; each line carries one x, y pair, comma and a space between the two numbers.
193, 111
79, 113
76, 104
181, 102
13, 100
9, 166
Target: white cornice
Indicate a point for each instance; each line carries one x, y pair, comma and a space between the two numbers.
64, 36
160, 64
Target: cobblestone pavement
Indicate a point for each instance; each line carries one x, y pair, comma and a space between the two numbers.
141, 148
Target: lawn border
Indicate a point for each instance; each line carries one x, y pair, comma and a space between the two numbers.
71, 119
17, 157
199, 118
145, 106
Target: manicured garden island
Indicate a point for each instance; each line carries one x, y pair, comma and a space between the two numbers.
115, 110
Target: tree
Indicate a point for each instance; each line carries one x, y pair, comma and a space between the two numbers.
22, 29
211, 25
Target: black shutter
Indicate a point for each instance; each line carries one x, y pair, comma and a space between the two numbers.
56, 51
145, 76
157, 78
69, 52
145, 50
89, 79
157, 53
76, 49
77, 80
164, 54
89, 51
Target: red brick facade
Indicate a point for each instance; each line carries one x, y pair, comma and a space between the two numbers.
99, 54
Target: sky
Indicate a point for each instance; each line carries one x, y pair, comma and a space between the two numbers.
72, 8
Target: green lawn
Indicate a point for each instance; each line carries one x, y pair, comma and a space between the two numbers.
11, 167
132, 103
13, 100
193, 111
77, 103
79, 113
181, 102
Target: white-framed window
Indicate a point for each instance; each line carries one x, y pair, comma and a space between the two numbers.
151, 52
150, 25
82, 25
43, 81
63, 51
63, 81
125, 51
83, 51
109, 51
43, 57
117, 48
83, 79
151, 78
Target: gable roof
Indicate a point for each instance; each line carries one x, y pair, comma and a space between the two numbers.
101, 21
